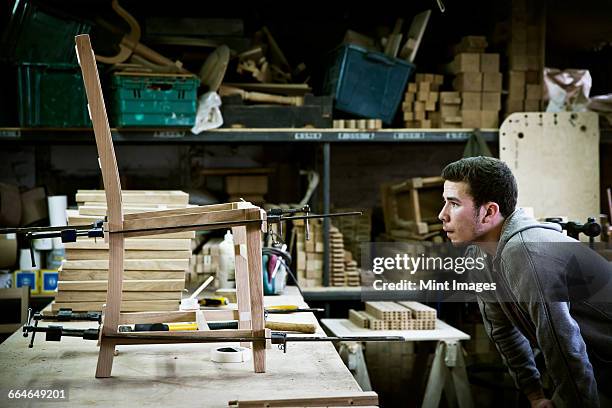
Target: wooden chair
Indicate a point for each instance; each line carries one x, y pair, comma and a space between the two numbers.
246, 221
22, 294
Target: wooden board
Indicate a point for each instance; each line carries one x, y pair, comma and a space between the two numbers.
562, 149
136, 196
94, 254
136, 244
100, 296
126, 305
132, 264
162, 285
93, 274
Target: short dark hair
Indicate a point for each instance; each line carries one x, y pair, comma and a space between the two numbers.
488, 179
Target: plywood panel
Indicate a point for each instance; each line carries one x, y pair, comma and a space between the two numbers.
555, 159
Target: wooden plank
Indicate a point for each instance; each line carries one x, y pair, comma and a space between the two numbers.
360, 399
130, 264
176, 316
93, 274
126, 306
94, 254
136, 196
191, 210
419, 310
253, 243
133, 244
162, 285
100, 296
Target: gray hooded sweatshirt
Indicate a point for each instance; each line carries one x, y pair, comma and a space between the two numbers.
541, 302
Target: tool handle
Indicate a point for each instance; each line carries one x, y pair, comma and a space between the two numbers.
294, 327
225, 90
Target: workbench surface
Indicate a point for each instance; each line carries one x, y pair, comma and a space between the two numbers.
180, 375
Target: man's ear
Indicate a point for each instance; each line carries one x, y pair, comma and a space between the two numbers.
491, 211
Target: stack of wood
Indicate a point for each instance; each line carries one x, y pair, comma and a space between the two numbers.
450, 110
525, 58
394, 316
205, 262
356, 231
421, 101
410, 208
155, 265
309, 253
361, 124
479, 82
351, 271
337, 271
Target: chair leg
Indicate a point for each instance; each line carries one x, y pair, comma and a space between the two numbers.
242, 280
253, 235
113, 304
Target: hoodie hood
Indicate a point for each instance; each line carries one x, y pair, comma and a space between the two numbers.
520, 221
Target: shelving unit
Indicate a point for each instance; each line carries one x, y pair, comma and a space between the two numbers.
324, 137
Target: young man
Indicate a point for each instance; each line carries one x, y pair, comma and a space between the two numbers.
534, 269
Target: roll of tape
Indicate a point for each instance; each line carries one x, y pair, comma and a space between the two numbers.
227, 354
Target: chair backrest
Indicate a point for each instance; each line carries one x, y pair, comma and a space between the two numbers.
104, 141
22, 294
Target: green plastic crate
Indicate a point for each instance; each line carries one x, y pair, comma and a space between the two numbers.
36, 33
51, 95
154, 100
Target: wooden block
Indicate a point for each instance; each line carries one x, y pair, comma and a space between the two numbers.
423, 96
419, 106
471, 118
388, 311
468, 81
514, 105
516, 85
533, 92
132, 264
412, 87
450, 98
533, 62
420, 311
532, 105
420, 115
408, 116
452, 121
489, 119
82, 254
438, 79
409, 97
411, 124
489, 62
424, 124
471, 101
492, 81
430, 106
450, 110
433, 97
428, 77
102, 274
407, 106
518, 62
533, 77
464, 62
491, 101
359, 318
424, 86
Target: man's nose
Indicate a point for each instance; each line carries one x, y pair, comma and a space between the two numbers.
443, 216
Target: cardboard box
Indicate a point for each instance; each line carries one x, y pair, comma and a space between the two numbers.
468, 82
450, 110
10, 205
33, 206
533, 91
514, 105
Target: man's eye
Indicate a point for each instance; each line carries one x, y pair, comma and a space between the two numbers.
454, 205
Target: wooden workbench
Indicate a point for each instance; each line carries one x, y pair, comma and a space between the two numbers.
170, 375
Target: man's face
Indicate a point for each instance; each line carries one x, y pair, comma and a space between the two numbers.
459, 218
